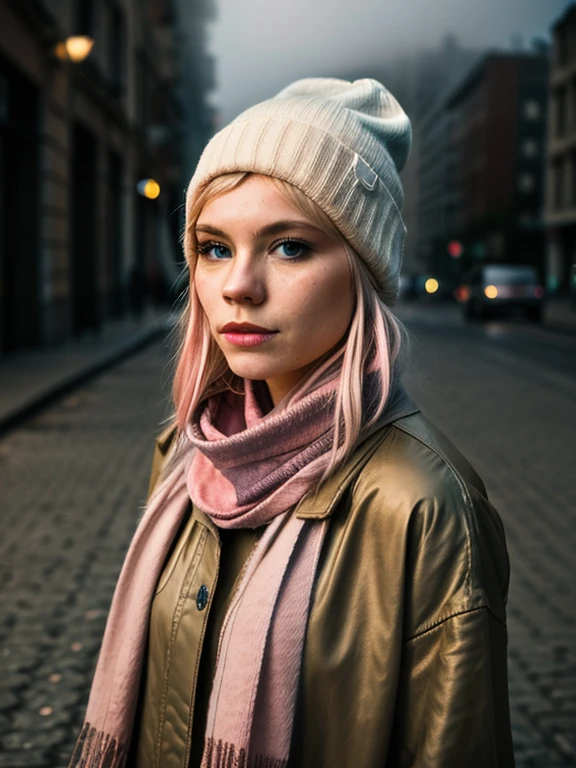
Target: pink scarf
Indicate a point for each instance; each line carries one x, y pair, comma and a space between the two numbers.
247, 469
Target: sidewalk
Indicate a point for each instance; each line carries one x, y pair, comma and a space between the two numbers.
560, 315
30, 380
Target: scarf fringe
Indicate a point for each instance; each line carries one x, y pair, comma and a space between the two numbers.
220, 754
96, 749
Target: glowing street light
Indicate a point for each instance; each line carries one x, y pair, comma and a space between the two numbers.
148, 188
431, 285
75, 48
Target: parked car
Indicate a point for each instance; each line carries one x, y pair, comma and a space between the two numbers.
497, 290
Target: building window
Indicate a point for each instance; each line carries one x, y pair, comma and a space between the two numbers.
558, 183
4, 99
143, 87
560, 108
526, 219
530, 148
532, 109
565, 42
114, 46
84, 17
526, 182
573, 179
572, 103
562, 46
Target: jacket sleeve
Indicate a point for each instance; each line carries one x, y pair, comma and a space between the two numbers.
452, 707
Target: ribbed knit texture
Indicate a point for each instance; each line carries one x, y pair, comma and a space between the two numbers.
343, 145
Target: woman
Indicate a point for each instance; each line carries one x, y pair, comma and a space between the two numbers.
319, 579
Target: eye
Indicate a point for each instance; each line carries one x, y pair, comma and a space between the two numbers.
292, 249
214, 251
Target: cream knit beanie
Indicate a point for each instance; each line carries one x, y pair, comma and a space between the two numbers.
343, 145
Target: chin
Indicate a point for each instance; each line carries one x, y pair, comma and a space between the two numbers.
256, 372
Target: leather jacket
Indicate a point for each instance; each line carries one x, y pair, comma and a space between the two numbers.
405, 654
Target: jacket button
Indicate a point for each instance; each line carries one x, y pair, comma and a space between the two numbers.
202, 598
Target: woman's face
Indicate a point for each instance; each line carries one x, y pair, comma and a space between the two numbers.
277, 291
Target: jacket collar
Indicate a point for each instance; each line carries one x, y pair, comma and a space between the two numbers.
324, 502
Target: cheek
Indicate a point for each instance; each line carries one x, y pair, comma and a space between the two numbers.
337, 295
205, 293
326, 308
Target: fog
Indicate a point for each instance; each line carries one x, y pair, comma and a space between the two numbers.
260, 46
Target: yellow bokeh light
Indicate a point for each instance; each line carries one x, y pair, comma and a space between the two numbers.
490, 291
431, 285
151, 189
75, 48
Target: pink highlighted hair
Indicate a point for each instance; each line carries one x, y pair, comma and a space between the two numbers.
373, 340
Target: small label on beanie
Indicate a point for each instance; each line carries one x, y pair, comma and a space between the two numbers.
365, 175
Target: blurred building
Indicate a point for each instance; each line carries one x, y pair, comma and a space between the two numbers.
561, 160
198, 78
419, 80
79, 244
436, 190
481, 174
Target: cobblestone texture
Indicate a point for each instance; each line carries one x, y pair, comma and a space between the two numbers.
73, 481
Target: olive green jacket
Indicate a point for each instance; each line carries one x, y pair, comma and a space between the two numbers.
405, 654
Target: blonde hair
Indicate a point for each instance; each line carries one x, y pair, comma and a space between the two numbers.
373, 340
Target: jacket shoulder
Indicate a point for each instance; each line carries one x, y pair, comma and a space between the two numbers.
418, 460
421, 496
431, 438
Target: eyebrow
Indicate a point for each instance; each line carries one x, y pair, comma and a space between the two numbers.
269, 229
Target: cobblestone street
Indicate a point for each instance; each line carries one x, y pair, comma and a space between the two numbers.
74, 479
73, 482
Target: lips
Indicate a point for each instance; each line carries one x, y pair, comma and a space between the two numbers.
244, 328
246, 334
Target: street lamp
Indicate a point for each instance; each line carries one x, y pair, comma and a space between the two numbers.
74, 49
148, 188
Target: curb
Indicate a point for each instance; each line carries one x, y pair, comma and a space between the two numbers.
66, 385
569, 329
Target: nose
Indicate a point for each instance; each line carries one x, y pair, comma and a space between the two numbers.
244, 282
